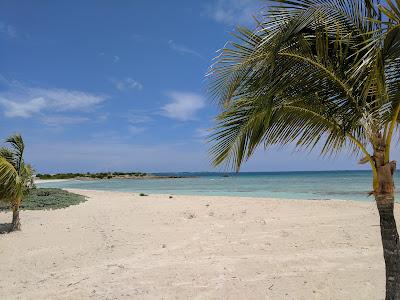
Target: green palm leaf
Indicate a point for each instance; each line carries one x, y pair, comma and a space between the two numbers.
11, 185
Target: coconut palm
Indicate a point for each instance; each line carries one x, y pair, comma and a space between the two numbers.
15, 176
317, 73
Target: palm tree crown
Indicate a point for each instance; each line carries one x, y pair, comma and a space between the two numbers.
13, 171
314, 71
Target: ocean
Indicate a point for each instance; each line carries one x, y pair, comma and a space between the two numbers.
318, 185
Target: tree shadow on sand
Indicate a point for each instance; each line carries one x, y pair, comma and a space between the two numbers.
5, 228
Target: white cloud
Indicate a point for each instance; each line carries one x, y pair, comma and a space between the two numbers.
64, 100
8, 30
183, 106
127, 83
20, 100
234, 12
116, 58
22, 109
182, 49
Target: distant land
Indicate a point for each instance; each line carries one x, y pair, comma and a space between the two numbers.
105, 175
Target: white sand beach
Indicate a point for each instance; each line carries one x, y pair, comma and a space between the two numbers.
124, 246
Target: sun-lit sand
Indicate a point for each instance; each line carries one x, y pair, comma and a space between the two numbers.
123, 246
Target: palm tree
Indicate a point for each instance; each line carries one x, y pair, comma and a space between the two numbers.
15, 176
317, 72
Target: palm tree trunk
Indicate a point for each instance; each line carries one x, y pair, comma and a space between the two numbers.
384, 197
391, 245
16, 224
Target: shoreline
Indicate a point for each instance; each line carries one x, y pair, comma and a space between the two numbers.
39, 181
121, 245
215, 197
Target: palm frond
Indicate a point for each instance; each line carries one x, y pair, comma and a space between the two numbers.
7, 154
392, 11
17, 145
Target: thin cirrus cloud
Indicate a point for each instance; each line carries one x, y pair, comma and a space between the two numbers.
127, 84
183, 106
137, 121
234, 12
203, 132
202, 135
135, 130
59, 120
182, 49
19, 100
8, 30
138, 117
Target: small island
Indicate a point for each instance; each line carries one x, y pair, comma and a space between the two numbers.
106, 175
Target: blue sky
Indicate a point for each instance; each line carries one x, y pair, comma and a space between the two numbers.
120, 85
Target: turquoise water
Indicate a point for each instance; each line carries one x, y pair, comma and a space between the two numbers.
346, 185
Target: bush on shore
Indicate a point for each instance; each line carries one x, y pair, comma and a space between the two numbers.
47, 198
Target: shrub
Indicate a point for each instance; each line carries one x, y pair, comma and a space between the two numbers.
40, 199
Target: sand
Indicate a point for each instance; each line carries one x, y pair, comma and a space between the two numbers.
38, 181
123, 246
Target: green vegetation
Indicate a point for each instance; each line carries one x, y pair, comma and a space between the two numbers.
15, 176
317, 73
38, 199
109, 175
143, 194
